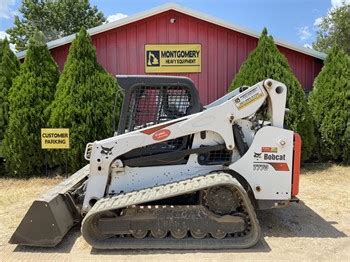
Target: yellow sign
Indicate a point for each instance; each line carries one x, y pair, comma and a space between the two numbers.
54, 138
182, 58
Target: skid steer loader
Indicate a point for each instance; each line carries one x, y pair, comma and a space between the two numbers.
176, 175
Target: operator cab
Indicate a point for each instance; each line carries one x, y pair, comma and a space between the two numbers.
150, 100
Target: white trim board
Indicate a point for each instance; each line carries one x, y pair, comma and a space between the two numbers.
171, 6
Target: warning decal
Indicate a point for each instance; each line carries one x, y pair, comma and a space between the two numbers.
247, 97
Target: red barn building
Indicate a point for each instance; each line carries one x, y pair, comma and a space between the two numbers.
120, 47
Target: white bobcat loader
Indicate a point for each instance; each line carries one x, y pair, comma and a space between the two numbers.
176, 175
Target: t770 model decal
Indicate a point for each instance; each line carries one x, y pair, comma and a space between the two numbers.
278, 166
260, 166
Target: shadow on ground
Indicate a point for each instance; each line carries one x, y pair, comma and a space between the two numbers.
298, 220
65, 246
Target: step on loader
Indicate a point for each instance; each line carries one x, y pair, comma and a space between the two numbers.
176, 175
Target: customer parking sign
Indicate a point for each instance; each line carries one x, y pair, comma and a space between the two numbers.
55, 138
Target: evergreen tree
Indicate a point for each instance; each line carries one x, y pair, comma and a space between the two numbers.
330, 105
334, 29
30, 94
9, 69
267, 62
346, 141
55, 19
84, 101
1, 47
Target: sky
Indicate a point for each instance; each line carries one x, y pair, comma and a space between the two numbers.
294, 21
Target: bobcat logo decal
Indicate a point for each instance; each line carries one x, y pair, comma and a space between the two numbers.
257, 155
106, 151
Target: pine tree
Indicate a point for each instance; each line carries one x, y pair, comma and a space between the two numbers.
1, 47
9, 69
31, 93
267, 62
84, 101
330, 105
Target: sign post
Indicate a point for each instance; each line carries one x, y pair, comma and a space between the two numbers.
54, 138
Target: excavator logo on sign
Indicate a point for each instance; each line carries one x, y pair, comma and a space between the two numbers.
153, 58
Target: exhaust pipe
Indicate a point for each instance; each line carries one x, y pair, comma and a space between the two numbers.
52, 215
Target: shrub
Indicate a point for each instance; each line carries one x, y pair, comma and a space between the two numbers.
330, 104
84, 101
9, 69
267, 62
1, 47
31, 92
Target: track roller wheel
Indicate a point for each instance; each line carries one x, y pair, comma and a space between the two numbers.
219, 234
139, 234
198, 234
178, 233
159, 233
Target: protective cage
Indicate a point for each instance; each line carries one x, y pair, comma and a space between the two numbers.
150, 100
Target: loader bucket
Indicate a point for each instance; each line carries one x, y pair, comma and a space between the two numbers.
52, 215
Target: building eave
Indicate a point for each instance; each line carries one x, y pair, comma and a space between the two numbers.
171, 6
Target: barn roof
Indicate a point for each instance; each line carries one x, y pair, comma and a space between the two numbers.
171, 6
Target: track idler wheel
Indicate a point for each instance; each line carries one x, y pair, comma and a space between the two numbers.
139, 234
159, 233
178, 233
219, 234
198, 234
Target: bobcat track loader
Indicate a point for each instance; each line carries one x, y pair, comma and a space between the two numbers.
176, 175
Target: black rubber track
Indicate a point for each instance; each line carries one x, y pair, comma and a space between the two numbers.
95, 239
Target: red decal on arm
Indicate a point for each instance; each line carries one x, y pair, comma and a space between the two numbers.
161, 134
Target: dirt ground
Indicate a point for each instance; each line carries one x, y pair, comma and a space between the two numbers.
317, 228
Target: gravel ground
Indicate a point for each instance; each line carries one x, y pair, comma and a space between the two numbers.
317, 228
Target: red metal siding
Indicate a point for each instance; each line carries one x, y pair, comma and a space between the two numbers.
121, 51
